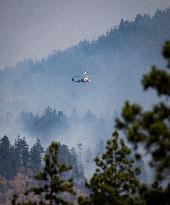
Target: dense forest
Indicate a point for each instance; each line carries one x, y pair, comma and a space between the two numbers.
119, 174
115, 62
115, 179
19, 158
52, 123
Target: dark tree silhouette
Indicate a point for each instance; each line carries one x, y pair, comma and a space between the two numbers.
151, 128
5, 161
115, 180
52, 187
36, 153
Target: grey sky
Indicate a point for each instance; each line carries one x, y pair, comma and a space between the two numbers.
34, 28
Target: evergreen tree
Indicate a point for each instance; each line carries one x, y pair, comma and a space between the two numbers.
25, 155
77, 172
36, 153
64, 156
13, 162
151, 128
5, 160
52, 186
114, 181
18, 152
80, 164
13, 158
74, 162
22, 155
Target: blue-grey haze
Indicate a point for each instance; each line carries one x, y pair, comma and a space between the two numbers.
33, 28
116, 62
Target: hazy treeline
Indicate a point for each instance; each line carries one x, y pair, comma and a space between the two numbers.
115, 62
18, 157
86, 132
45, 124
83, 130
21, 158
56, 124
115, 179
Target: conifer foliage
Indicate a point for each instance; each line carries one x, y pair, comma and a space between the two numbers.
36, 153
5, 157
115, 179
52, 187
151, 128
18, 158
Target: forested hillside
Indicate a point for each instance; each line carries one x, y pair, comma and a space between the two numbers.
19, 164
19, 158
115, 62
56, 124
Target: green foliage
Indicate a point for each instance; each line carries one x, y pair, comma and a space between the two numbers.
7, 165
17, 158
52, 186
155, 194
115, 179
152, 127
36, 153
157, 79
166, 52
22, 154
78, 172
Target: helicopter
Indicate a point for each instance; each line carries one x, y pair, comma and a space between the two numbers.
84, 79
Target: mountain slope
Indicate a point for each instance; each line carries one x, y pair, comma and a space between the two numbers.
115, 61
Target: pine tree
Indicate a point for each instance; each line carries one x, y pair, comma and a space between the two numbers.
151, 128
115, 179
5, 160
13, 163
155, 194
25, 155
80, 164
18, 152
52, 186
36, 153
21, 153
74, 162
77, 173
